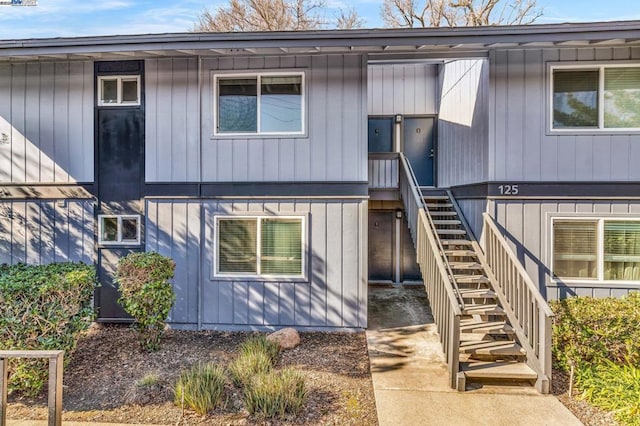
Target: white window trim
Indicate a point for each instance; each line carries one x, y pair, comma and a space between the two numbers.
600, 250
258, 76
587, 67
119, 241
260, 276
119, 79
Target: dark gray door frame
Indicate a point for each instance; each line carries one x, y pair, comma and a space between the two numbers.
435, 140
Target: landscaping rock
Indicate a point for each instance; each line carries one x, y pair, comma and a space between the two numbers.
286, 338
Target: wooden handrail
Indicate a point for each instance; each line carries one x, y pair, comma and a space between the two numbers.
444, 303
55, 381
528, 311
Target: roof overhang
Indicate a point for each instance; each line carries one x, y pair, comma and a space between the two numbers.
379, 43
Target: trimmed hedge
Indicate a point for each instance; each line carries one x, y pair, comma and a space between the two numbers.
43, 307
590, 331
147, 293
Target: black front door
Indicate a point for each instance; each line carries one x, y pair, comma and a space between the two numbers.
418, 146
119, 178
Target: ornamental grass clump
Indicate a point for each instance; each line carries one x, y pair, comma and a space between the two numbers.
249, 364
275, 394
146, 294
201, 388
43, 307
260, 344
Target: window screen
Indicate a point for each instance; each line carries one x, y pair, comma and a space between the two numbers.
281, 247
575, 245
621, 250
238, 105
575, 98
622, 97
237, 246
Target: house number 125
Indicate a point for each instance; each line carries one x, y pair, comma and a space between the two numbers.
508, 189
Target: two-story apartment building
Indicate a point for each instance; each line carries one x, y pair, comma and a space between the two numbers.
279, 169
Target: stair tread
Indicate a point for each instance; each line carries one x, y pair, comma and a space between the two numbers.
477, 292
471, 279
490, 347
436, 205
465, 265
447, 222
442, 213
490, 309
460, 253
435, 197
487, 327
451, 231
456, 242
498, 370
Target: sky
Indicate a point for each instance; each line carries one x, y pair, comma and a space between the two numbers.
69, 18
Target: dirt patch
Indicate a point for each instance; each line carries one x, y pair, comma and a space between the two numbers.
588, 414
104, 379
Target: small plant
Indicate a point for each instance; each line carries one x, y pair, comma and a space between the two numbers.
276, 394
247, 365
148, 380
146, 293
260, 344
201, 388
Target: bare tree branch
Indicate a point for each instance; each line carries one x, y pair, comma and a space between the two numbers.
349, 19
436, 13
263, 15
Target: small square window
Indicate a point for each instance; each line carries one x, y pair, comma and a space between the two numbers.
109, 91
119, 90
119, 229
130, 91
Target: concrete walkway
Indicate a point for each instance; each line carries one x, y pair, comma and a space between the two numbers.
410, 376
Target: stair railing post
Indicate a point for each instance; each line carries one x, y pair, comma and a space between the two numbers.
4, 378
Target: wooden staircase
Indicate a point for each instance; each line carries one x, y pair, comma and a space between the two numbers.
489, 350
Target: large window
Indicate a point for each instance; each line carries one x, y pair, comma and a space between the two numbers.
596, 249
595, 98
269, 103
260, 246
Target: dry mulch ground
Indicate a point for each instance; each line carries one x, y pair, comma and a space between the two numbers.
102, 379
588, 414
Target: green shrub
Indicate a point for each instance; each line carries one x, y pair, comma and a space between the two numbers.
201, 388
247, 365
146, 293
275, 394
260, 344
614, 388
589, 331
44, 307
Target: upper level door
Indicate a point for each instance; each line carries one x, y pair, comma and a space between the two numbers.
381, 134
419, 147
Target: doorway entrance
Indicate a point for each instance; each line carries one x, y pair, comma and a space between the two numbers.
418, 144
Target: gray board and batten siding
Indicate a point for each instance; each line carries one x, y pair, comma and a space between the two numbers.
46, 122
526, 224
46, 231
407, 89
181, 146
522, 147
333, 294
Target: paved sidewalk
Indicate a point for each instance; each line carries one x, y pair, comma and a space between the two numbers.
410, 376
